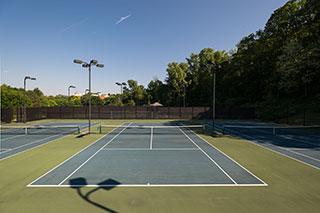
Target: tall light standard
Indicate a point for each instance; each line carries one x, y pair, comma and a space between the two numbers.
71, 86
121, 87
215, 66
184, 96
25, 89
25, 81
88, 65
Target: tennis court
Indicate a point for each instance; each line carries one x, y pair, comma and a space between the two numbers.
152, 154
18, 139
299, 143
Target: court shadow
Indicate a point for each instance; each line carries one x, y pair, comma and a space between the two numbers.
78, 183
82, 135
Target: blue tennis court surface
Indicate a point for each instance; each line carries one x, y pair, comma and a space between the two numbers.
148, 157
14, 141
300, 143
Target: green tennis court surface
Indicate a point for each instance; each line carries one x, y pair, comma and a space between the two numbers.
58, 183
138, 154
301, 143
17, 139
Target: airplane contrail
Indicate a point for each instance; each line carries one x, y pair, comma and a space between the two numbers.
123, 18
73, 25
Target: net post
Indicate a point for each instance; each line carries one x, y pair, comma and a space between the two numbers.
25, 130
78, 129
274, 131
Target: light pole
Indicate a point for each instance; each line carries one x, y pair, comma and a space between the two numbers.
88, 65
184, 96
121, 87
214, 91
25, 81
25, 89
71, 86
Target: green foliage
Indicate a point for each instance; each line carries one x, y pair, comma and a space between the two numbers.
157, 92
15, 97
113, 100
134, 94
12, 97
176, 81
95, 100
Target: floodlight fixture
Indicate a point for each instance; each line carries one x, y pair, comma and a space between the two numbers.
85, 65
94, 62
77, 61
71, 86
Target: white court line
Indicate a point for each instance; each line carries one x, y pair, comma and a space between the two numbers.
32, 148
151, 137
147, 149
297, 153
16, 136
307, 156
149, 185
296, 139
37, 141
209, 157
255, 142
71, 156
20, 135
79, 167
231, 159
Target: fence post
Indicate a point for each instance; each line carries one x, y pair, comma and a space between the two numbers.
192, 112
136, 112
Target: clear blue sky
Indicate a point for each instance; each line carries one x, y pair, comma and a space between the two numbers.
42, 37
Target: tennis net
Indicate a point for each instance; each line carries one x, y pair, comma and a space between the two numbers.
145, 129
270, 130
40, 130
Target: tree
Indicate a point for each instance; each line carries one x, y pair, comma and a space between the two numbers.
134, 94
157, 91
95, 100
176, 80
13, 97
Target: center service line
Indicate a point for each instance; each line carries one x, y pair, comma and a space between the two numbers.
151, 138
93, 155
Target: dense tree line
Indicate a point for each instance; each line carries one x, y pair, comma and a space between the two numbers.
275, 66
15, 97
